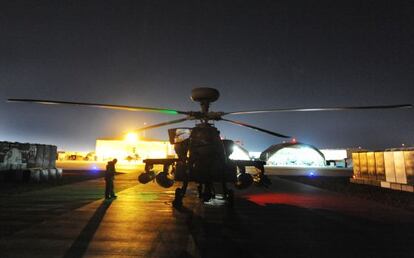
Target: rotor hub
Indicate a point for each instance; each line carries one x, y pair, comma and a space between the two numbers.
196, 115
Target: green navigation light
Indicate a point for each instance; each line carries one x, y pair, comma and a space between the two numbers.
169, 112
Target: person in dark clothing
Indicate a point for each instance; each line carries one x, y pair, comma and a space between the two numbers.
109, 179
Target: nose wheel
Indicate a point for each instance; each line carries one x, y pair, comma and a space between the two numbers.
200, 191
205, 195
178, 200
230, 198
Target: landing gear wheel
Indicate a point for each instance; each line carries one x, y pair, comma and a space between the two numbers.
230, 198
207, 195
213, 193
178, 200
200, 191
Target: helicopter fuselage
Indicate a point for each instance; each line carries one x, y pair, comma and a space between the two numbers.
203, 158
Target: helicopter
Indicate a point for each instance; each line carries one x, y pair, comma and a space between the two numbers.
202, 156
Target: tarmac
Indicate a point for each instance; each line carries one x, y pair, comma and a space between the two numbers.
288, 219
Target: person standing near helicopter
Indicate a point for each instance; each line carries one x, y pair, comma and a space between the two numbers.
109, 179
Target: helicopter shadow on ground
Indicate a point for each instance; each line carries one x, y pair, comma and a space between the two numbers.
280, 230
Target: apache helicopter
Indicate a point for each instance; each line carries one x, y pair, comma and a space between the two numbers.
202, 156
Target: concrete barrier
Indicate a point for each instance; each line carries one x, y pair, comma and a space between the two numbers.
44, 175
23, 162
34, 175
59, 173
18, 176
52, 173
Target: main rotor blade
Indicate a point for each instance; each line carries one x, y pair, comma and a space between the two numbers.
109, 106
163, 124
255, 128
402, 106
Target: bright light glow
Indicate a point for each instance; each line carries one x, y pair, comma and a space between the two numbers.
239, 154
131, 137
297, 157
133, 151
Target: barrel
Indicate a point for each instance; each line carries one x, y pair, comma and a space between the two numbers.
52, 173
59, 173
34, 175
44, 175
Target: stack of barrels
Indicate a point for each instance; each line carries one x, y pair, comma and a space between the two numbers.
28, 162
392, 168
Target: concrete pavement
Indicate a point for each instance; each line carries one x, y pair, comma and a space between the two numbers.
287, 220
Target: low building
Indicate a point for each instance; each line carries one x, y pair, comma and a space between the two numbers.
341, 158
132, 149
76, 155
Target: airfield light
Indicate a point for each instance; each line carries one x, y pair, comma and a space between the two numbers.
169, 112
131, 138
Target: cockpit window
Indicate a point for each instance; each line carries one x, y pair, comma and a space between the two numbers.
182, 134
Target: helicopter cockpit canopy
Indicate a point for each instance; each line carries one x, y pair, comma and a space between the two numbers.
178, 135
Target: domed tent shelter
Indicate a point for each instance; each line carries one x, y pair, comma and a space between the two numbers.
293, 154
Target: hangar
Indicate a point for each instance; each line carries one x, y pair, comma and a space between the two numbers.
293, 154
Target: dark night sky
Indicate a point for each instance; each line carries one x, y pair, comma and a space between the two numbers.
259, 54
